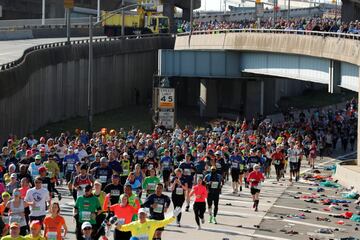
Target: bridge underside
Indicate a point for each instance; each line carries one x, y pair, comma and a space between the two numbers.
234, 64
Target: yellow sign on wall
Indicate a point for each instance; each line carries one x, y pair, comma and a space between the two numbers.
69, 3
257, 1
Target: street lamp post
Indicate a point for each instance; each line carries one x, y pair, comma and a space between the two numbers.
91, 62
98, 11
43, 13
288, 12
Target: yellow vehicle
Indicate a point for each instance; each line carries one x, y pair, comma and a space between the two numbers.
140, 22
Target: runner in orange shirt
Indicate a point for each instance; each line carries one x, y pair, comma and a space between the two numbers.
53, 224
124, 213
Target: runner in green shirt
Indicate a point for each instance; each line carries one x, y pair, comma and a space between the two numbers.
86, 208
150, 182
125, 165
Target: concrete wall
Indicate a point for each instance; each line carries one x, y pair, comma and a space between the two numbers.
51, 84
346, 50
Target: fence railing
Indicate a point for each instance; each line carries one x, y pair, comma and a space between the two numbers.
275, 31
17, 62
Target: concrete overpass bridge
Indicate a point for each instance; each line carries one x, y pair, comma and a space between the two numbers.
218, 56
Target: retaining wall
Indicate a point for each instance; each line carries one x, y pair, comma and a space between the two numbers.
50, 85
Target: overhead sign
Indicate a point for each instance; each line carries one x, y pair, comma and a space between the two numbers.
69, 3
166, 119
166, 98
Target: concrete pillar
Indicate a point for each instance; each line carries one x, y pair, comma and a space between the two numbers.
186, 14
358, 131
208, 98
334, 76
169, 12
254, 103
350, 11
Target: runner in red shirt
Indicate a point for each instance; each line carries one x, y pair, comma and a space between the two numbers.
255, 178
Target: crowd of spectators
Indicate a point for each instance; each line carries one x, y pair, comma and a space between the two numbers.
306, 24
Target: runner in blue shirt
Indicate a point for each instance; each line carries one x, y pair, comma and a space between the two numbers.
69, 167
166, 163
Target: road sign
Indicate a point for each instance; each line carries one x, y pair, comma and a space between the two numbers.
69, 3
166, 98
166, 119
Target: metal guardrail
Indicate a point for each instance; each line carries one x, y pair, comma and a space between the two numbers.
36, 23
17, 62
275, 31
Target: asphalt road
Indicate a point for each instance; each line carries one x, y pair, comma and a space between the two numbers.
237, 220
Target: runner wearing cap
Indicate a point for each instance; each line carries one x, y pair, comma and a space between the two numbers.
14, 233
237, 170
96, 163
53, 171
69, 163
87, 232
14, 183
103, 172
255, 178
35, 231
86, 208
126, 167
124, 213
38, 199
34, 167
213, 182
82, 180
158, 204
115, 189
15, 209
144, 229
45, 179
54, 223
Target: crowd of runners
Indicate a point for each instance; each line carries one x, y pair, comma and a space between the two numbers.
120, 178
302, 24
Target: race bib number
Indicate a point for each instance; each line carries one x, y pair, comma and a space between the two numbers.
50, 173
179, 191
277, 162
85, 216
6, 219
166, 164
15, 218
187, 172
120, 221
234, 165
70, 167
258, 186
44, 185
159, 208
218, 165
152, 186
143, 237
292, 159
52, 236
103, 179
36, 208
126, 171
214, 185
115, 193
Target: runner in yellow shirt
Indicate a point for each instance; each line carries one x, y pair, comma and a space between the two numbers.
144, 229
35, 231
14, 233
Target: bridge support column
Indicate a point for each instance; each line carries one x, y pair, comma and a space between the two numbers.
208, 98
254, 104
350, 11
334, 76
